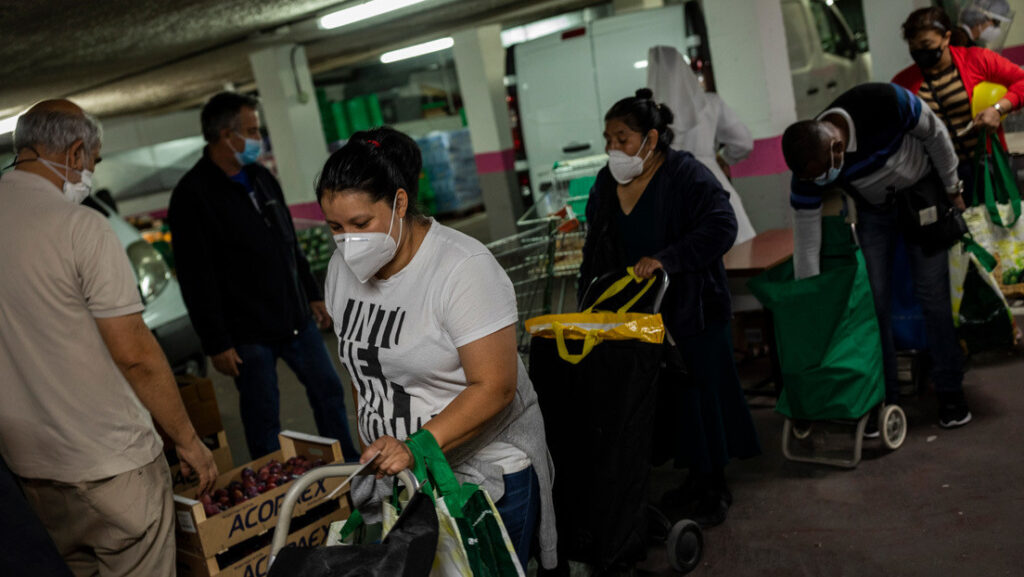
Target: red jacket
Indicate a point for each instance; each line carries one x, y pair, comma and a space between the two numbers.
976, 65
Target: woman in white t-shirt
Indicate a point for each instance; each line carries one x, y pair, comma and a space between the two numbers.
425, 322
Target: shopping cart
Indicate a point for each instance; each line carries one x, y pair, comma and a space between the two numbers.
599, 395
543, 263
408, 550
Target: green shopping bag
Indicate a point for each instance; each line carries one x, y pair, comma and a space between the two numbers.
467, 515
980, 312
995, 181
826, 333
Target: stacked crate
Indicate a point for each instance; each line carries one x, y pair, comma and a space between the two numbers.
450, 165
236, 542
201, 404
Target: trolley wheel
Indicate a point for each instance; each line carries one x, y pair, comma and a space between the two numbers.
685, 546
658, 525
893, 425
801, 433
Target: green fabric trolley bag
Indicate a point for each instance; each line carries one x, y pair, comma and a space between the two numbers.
828, 344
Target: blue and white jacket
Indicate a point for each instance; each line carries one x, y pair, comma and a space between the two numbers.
895, 141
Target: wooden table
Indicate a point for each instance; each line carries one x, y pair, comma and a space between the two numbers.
751, 258
759, 253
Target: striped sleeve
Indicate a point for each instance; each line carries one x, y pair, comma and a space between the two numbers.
908, 108
933, 134
804, 195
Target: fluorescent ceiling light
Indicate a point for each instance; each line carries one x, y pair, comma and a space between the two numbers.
8, 124
363, 11
540, 28
640, 64
417, 50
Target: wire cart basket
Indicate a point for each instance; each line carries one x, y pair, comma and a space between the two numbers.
543, 259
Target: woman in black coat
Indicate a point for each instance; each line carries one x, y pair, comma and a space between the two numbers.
657, 208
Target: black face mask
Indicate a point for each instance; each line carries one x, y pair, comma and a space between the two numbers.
927, 58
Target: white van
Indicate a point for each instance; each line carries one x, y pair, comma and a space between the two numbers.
165, 313
825, 57
566, 81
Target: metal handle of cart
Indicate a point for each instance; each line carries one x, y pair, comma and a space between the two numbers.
284, 519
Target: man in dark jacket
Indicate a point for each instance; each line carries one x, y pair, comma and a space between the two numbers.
247, 285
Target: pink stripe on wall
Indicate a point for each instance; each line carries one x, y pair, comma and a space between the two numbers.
501, 161
765, 159
307, 210
1014, 54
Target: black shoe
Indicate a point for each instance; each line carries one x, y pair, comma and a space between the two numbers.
953, 411
709, 511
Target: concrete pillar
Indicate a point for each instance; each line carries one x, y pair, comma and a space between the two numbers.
748, 49
889, 52
752, 75
480, 66
292, 118
623, 6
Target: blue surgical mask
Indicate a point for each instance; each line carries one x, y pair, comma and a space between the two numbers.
833, 171
251, 151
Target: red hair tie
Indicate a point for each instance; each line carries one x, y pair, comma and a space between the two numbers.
374, 143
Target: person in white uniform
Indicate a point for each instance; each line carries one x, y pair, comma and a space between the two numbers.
704, 125
425, 318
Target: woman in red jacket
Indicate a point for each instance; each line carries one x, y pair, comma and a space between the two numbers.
944, 76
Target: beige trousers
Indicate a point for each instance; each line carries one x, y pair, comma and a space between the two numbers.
113, 527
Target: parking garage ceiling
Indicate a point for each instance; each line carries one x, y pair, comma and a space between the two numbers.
131, 56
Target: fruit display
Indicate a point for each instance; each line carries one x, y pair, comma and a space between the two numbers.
1013, 276
253, 483
317, 245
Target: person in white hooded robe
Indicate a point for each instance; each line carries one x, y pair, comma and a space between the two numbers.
704, 126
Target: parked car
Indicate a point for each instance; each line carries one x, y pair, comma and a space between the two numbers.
165, 314
564, 82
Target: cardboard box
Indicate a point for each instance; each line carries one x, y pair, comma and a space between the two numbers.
201, 404
221, 456
256, 564
205, 537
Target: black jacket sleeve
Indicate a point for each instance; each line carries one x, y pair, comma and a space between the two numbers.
704, 203
313, 290
189, 221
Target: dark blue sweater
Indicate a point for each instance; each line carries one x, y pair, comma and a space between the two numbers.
694, 227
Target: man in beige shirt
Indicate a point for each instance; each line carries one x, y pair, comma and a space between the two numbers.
81, 372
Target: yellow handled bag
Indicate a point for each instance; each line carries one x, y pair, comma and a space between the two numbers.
595, 327
596, 375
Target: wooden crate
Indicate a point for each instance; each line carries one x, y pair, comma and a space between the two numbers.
205, 537
221, 456
200, 402
255, 563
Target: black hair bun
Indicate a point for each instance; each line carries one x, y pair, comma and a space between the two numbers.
644, 94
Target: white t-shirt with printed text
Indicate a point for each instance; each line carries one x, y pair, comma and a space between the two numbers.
399, 338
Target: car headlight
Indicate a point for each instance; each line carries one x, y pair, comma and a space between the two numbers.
151, 270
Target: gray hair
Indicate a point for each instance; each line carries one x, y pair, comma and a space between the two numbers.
56, 131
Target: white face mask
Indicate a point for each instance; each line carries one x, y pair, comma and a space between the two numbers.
625, 168
988, 35
365, 253
74, 192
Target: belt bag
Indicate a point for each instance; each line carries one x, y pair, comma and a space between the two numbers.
927, 216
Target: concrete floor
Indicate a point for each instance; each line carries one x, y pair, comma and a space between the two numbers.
949, 502
946, 503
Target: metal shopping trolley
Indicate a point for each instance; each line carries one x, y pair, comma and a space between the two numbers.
543, 263
408, 549
596, 375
